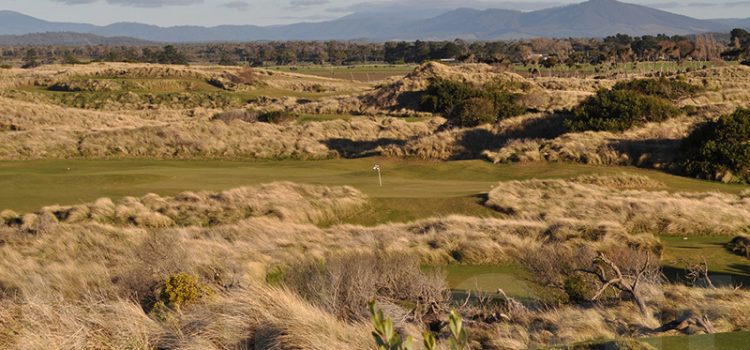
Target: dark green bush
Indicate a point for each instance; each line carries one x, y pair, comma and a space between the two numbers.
475, 111
278, 117
720, 150
662, 87
443, 95
467, 105
740, 245
619, 110
629, 104
578, 288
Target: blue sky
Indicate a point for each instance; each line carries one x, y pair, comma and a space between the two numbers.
268, 12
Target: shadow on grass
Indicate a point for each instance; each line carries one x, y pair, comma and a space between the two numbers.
359, 149
475, 141
649, 152
719, 279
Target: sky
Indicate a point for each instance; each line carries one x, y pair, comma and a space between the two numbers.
270, 12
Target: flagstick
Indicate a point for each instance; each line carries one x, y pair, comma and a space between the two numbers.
380, 178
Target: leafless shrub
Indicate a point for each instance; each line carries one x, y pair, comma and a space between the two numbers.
345, 283
582, 274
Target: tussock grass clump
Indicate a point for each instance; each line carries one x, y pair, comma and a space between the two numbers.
621, 182
286, 201
248, 116
636, 210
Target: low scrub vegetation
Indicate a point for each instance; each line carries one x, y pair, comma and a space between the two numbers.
629, 104
344, 283
740, 245
720, 149
252, 116
467, 105
670, 89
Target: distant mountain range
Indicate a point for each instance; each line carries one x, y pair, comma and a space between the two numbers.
68, 39
594, 18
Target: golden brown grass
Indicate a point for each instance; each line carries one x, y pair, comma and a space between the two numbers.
33, 128
285, 201
612, 202
80, 283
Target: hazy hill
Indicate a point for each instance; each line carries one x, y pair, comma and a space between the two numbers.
68, 39
594, 18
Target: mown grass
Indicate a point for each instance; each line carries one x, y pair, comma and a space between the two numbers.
361, 73
725, 268
722, 341
409, 185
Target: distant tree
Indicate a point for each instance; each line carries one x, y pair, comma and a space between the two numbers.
69, 58
170, 55
226, 59
550, 62
31, 59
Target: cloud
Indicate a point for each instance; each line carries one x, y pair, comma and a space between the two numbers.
441, 5
737, 4
307, 18
154, 3
75, 2
136, 3
679, 5
307, 3
237, 5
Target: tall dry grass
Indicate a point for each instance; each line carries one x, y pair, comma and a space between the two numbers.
286, 201
614, 202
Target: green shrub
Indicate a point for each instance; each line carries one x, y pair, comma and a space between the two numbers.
181, 289
278, 117
720, 150
443, 95
578, 289
475, 111
740, 245
467, 105
387, 338
629, 104
619, 110
662, 87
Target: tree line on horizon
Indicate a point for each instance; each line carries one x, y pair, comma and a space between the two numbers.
536, 52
